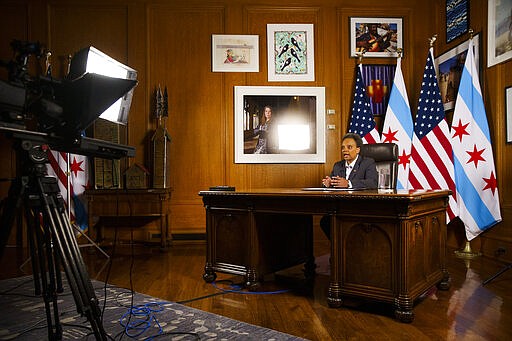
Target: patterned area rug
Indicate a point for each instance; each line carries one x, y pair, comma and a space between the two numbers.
22, 317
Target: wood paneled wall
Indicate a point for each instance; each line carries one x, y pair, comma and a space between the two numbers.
169, 43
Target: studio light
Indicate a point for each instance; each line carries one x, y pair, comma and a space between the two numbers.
57, 111
92, 60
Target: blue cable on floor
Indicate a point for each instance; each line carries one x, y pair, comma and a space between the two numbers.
138, 319
238, 289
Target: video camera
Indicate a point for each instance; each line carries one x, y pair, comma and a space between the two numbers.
57, 111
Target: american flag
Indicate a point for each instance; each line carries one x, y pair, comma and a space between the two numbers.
431, 154
74, 176
362, 122
398, 126
475, 173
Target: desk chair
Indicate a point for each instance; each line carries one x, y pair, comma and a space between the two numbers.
386, 158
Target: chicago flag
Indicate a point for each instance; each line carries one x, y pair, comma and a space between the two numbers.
72, 173
475, 174
398, 126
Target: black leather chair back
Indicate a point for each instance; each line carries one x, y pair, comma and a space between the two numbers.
386, 158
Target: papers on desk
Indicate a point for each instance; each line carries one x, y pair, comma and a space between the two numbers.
331, 189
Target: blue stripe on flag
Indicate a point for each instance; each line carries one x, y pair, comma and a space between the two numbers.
474, 102
471, 197
399, 105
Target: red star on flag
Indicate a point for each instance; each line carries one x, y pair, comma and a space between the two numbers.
475, 155
390, 136
76, 167
491, 183
404, 159
460, 130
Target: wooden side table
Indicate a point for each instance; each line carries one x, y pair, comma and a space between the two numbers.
117, 206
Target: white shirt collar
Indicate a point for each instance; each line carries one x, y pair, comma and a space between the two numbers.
351, 165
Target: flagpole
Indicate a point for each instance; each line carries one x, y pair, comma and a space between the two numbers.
467, 253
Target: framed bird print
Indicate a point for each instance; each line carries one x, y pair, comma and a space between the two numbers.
291, 52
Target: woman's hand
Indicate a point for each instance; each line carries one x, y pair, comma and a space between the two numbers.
326, 181
338, 182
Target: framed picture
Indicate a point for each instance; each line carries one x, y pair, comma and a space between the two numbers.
499, 32
450, 65
377, 37
508, 110
235, 53
457, 18
279, 124
291, 52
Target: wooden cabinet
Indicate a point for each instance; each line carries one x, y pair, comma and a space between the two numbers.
385, 246
129, 208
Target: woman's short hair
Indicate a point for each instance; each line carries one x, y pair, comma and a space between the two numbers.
356, 137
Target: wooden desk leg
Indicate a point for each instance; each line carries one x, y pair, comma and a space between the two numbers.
403, 311
253, 255
209, 274
445, 281
334, 296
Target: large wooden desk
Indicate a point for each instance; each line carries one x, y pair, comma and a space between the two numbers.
128, 207
385, 246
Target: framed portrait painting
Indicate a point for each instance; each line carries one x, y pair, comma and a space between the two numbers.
376, 37
235, 53
279, 124
291, 52
499, 32
450, 65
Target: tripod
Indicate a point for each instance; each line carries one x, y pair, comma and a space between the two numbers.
51, 240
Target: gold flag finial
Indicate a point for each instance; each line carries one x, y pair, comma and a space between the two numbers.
70, 57
399, 52
48, 70
432, 40
471, 33
360, 56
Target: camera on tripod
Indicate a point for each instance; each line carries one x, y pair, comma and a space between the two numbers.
40, 113
57, 111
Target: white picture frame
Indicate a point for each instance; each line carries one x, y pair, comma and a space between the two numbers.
291, 52
386, 42
508, 110
499, 34
300, 110
235, 53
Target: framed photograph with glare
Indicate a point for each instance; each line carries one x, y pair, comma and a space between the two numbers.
275, 124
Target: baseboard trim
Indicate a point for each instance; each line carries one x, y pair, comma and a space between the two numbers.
188, 236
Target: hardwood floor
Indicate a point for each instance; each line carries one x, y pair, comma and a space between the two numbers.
467, 311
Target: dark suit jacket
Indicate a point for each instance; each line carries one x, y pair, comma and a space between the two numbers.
363, 175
